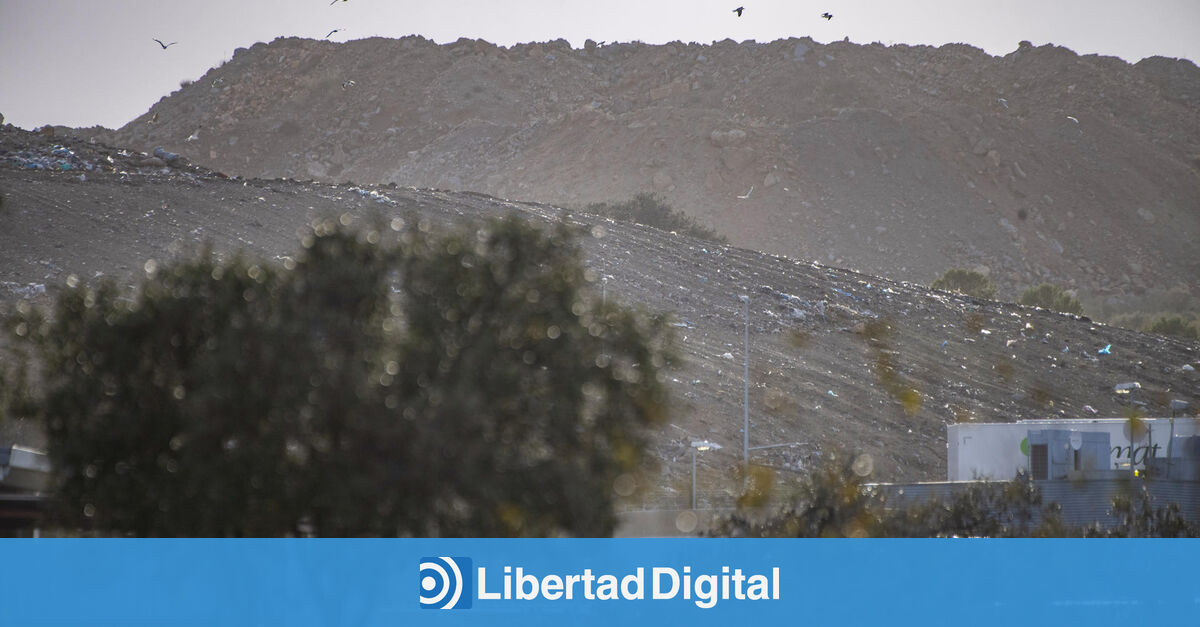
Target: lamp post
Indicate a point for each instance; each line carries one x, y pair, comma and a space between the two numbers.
1176, 405
746, 391
1126, 389
700, 446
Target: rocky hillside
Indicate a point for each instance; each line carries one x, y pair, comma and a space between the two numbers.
901, 161
839, 360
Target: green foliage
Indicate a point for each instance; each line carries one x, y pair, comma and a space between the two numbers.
652, 210
462, 384
833, 501
830, 502
968, 282
1051, 297
1178, 326
1139, 518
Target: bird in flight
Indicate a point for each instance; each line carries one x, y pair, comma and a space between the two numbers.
827, 15
1073, 119
332, 31
348, 84
165, 46
335, 2
739, 11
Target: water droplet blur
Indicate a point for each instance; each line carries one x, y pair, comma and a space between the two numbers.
553, 332
624, 485
72, 281
89, 510
687, 521
863, 465
151, 266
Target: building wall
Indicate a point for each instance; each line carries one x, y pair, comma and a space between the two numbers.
993, 451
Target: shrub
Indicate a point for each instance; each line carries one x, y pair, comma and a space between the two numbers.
834, 501
967, 282
1178, 326
652, 210
1051, 297
465, 384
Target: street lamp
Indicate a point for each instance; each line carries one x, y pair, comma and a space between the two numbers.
700, 446
1126, 389
1176, 405
746, 391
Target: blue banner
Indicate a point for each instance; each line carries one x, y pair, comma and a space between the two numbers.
368, 582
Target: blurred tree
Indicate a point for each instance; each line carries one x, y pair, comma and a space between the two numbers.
1051, 297
463, 384
968, 282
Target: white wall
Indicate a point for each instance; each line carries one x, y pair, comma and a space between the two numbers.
993, 450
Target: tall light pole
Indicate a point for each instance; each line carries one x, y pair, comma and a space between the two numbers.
701, 446
746, 391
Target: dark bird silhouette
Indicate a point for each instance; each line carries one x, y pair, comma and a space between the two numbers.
335, 2
739, 11
165, 46
827, 15
332, 31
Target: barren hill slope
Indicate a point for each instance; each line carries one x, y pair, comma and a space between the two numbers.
838, 359
901, 161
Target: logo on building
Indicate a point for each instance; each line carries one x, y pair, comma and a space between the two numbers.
445, 583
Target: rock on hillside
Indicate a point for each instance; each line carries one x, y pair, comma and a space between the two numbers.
1041, 165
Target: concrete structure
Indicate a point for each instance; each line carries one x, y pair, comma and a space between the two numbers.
24, 478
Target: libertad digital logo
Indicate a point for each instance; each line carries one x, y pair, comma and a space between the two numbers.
446, 583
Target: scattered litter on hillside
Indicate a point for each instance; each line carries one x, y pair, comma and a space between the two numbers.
58, 158
26, 290
1107, 350
374, 195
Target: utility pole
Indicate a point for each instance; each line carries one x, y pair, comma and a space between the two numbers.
746, 392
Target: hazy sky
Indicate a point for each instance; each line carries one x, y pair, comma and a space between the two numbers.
85, 62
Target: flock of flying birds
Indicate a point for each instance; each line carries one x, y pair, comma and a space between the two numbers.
827, 15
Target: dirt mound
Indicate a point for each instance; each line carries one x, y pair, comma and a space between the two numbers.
838, 359
901, 161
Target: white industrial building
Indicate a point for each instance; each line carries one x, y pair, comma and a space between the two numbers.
1062, 448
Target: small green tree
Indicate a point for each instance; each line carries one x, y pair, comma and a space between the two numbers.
968, 282
1175, 325
460, 384
1051, 297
